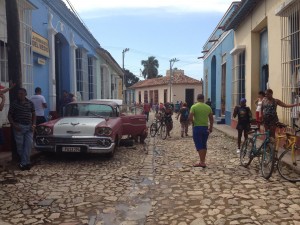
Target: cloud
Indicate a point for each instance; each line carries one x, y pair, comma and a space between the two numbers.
178, 6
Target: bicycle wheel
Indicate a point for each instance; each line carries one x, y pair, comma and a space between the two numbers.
288, 166
153, 129
163, 131
245, 152
267, 160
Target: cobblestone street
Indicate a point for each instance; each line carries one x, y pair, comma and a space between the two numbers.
149, 185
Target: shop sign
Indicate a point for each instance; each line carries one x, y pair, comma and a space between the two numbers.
40, 44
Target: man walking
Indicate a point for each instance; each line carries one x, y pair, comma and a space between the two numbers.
200, 113
39, 104
21, 116
147, 109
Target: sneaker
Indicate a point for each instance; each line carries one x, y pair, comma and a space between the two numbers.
238, 151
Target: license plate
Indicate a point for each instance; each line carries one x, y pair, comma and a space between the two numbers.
70, 149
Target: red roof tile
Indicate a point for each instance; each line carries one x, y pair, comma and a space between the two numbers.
178, 78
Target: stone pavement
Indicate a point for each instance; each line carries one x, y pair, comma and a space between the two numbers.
161, 187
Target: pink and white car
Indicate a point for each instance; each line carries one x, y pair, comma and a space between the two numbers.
95, 126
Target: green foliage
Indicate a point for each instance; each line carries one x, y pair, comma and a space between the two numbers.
130, 78
150, 68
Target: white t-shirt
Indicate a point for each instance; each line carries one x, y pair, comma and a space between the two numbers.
38, 101
259, 104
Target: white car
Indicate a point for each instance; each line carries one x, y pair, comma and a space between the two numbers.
94, 126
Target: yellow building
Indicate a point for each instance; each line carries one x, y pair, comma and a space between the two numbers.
266, 52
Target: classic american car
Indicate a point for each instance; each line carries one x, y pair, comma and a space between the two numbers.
95, 126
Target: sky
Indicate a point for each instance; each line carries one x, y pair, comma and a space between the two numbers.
164, 29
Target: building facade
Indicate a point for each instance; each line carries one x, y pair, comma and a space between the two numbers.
175, 88
263, 56
217, 68
58, 54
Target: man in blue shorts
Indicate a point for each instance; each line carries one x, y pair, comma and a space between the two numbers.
200, 113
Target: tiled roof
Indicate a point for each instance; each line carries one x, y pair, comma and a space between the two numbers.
177, 79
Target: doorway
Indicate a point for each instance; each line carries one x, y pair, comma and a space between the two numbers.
189, 97
62, 74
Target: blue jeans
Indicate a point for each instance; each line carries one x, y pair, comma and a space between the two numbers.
24, 140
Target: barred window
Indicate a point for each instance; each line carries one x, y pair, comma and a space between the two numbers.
82, 73
25, 12
238, 78
92, 73
290, 60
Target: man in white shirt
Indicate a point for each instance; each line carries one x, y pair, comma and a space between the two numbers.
39, 104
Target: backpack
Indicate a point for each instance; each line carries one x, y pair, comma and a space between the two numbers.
185, 115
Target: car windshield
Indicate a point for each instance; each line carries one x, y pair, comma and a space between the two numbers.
88, 110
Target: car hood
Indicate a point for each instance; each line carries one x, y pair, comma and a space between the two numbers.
76, 126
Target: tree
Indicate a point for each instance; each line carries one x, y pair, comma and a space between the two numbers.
131, 79
150, 67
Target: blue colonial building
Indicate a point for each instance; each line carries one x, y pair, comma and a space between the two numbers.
217, 68
58, 53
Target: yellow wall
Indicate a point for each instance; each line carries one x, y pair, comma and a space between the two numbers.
248, 34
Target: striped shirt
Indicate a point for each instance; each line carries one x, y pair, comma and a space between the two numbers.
22, 112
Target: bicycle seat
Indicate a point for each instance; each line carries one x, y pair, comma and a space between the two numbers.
254, 127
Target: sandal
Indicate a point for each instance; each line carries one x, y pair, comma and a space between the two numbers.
203, 165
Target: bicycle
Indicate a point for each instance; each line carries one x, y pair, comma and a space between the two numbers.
288, 163
266, 151
159, 127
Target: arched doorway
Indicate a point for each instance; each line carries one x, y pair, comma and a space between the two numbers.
213, 83
62, 65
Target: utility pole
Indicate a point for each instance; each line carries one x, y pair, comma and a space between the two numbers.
124, 77
172, 61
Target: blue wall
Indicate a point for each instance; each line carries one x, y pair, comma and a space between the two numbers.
82, 38
214, 90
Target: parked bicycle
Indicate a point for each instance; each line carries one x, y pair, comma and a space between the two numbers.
265, 152
288, 164
159, 127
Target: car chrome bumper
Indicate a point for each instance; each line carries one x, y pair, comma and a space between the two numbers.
87, 144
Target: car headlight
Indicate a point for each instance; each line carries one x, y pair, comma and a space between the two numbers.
43, 130
103, 131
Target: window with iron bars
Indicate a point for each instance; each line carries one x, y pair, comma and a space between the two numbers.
25, 18
92, 73
82, 73
290, 61
238, 78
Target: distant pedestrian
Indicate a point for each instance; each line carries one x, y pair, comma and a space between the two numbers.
147, 109
244, 115
208, 102
200, 113
183, 116
40, 105
168, 112
21, 116
65, 99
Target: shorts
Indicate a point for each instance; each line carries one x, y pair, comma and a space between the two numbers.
243, 127
200, 136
